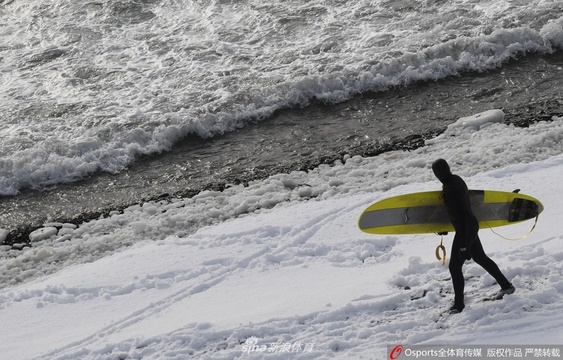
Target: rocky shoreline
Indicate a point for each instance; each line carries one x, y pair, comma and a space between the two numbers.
521, 116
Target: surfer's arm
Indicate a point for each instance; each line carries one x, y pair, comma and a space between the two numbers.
459, 213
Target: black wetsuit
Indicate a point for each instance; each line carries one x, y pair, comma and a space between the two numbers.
466, 244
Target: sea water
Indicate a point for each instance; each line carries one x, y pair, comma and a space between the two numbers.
110, 103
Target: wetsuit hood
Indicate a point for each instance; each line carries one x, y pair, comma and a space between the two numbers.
441, 169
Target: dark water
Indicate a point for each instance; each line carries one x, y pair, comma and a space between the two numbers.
528, 90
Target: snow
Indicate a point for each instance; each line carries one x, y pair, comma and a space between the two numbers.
281, 261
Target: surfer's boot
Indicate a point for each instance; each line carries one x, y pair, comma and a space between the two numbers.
456, 309
509, 290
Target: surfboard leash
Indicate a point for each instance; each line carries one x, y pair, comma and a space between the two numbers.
521, 237
441, 248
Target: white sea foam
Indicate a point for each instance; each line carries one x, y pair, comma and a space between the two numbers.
120, 79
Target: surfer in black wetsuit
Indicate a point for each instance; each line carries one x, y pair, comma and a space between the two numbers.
466, 243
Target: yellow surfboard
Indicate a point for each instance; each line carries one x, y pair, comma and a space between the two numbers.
424, 212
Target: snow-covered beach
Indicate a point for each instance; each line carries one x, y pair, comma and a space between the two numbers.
281, 261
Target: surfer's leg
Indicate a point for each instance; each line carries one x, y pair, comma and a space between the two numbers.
479, 256
455, 267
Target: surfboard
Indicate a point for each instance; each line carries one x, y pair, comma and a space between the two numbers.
425, 212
